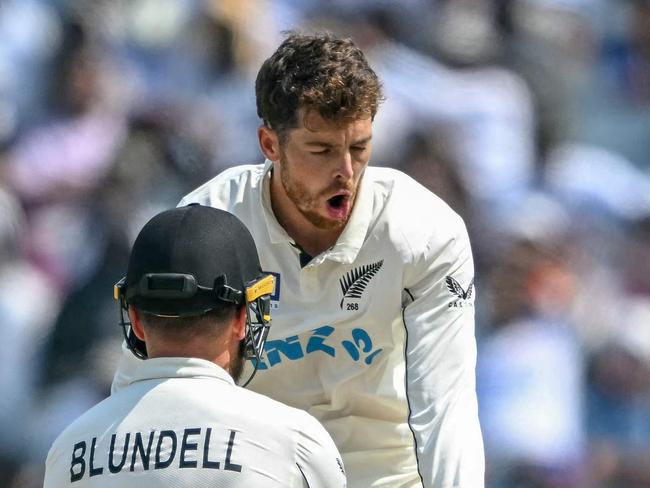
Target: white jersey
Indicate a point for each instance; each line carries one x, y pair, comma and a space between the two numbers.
375, 336
182, 422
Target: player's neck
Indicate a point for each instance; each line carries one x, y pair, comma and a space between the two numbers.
212, 350
310, 238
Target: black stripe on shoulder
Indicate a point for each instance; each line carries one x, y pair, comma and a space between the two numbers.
409, 294
406, 387
303, 475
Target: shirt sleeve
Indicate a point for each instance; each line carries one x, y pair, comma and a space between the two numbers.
440, 365
318, 459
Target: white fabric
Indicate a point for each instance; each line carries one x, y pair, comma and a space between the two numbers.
256, 441
389, 372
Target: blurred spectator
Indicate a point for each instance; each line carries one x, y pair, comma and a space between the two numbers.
594, 180
618, 402
70, 150
636, 266
28, 304
487, 108
55, 166
609, 199
529, 375
30, 31
612, 109
111, 111
552, 44
427, 159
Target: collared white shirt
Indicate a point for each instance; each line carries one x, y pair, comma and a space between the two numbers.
375, 336
182, 422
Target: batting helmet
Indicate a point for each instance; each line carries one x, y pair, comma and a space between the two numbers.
190, 260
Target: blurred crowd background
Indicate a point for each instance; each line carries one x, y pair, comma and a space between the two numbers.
531, 118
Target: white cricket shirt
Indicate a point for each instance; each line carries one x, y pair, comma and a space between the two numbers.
375, 336
182, 422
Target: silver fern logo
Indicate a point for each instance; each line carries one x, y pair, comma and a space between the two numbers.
456, 289
355, 282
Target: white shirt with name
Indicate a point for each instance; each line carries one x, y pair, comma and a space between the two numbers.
182, 422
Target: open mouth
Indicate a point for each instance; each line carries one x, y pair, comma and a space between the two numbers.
338, 206
337, 201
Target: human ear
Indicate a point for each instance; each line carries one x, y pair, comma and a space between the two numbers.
239, 325
136, 323
269, 143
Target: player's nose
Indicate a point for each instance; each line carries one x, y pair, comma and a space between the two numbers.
344, 169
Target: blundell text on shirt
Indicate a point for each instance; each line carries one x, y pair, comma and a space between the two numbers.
170, 448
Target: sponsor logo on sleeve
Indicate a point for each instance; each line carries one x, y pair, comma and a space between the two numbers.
463, 296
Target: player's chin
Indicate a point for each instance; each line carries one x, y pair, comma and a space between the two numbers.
324, 221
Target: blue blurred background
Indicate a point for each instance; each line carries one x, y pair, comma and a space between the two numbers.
530, 117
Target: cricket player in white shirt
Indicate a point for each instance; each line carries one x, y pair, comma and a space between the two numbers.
198, 305
373, 302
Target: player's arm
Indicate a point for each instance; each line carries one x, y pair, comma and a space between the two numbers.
441, 361
317, 458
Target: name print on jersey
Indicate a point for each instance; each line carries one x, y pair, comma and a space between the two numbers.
143, 456
358, 347
355, 282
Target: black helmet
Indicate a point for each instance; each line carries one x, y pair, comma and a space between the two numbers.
189, 260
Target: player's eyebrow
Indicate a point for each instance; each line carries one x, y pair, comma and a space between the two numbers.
319, 144
361, 142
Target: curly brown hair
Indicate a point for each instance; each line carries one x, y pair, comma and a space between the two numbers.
319, 72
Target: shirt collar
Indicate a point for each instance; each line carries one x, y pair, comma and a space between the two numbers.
177, 367
349, 242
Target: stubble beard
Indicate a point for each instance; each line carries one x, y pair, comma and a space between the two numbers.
307, 203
